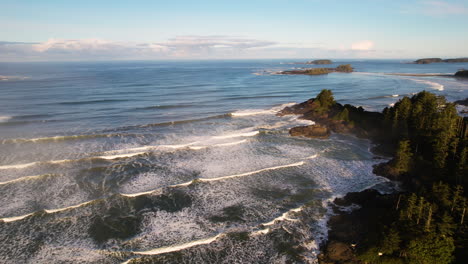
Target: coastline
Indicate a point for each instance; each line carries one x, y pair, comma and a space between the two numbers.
360, 224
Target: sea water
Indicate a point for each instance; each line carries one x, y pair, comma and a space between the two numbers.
181, 161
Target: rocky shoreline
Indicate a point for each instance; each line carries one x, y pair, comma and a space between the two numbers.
348, 230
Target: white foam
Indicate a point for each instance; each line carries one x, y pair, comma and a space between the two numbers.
50, 211
15, 218
284, 217
4, 118
252, 172
162, 250
395, 95
247, 134
215, 179
25, 178
110, 157
18, 166
25, 165
433, 85
242, 113
261, 232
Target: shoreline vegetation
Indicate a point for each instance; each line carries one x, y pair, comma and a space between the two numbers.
346, 68
424, 222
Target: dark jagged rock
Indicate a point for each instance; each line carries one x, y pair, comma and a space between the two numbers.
462, 73
312, 131
462, 102
349, 231
338, 252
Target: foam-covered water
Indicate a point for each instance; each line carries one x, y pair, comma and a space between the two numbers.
180, 162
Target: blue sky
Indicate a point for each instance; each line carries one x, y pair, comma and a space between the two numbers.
176, 29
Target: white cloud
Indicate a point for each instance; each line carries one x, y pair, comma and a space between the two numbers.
363, 45
436, 8
444, 8
181, 47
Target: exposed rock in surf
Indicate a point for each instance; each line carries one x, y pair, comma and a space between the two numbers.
462, 102
338, 119
462, 73
349, 231
312, 131
337, 251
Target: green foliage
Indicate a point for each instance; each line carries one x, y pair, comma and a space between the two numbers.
344, 68
325, 99
390, 242
317, 71
343, 115
434, 129
431, 248
431, 151
403, 157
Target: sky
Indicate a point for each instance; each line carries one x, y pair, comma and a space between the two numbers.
63, 30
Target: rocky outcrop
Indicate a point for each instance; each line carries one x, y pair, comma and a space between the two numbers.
337, 252
312, 131
462, 102
462, 73
349, 231
345, 119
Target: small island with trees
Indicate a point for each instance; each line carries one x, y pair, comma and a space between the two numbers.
346, 68
425, 222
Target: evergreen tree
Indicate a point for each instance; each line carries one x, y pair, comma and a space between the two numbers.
403, 157
325, 99
431, 249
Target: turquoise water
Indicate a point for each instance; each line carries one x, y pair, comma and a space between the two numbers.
174, 162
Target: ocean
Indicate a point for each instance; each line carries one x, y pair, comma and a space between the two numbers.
182, 161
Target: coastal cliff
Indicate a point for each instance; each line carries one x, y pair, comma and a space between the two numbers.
428, 144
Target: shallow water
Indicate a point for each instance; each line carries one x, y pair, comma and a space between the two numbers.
180, 162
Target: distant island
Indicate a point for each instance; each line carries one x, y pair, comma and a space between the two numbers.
347, 68
315, 62
439, 60
319, 62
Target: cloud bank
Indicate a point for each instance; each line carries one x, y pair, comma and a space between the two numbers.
180, 47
